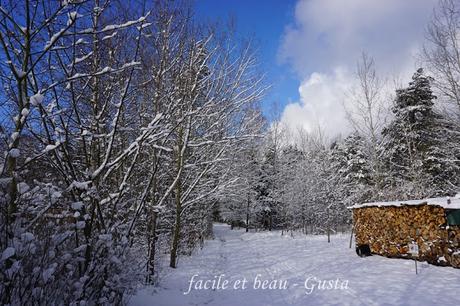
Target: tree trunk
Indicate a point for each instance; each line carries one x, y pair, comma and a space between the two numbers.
178, 195
151, 246
177, 225
270, 222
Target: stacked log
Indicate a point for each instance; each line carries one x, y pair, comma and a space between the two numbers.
389, 230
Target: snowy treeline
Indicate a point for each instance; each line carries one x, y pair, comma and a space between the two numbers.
128, 127
405, 145
118, 123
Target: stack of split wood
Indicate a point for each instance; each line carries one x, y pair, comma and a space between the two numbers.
388, 230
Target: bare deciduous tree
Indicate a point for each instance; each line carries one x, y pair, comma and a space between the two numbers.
442, 52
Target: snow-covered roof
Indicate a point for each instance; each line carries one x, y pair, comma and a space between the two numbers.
443, 202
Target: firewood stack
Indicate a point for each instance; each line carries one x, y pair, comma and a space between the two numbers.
388, 230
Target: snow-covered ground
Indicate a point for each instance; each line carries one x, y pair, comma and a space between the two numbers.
269, 256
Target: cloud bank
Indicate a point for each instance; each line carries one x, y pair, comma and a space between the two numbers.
325, 41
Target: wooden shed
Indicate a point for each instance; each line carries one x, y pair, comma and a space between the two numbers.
388, 228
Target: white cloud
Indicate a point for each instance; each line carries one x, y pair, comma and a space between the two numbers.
325, 41
321, 96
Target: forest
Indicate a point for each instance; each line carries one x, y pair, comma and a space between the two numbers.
129, 127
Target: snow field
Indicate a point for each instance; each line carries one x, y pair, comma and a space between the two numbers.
305, 270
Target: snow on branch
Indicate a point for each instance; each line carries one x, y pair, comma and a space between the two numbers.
113, 27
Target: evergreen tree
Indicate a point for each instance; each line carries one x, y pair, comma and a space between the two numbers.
345, 180
352, 161
266, 189
413, 143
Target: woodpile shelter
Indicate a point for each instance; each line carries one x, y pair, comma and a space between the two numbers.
389, 228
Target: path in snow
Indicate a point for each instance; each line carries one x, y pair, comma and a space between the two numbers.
373, 280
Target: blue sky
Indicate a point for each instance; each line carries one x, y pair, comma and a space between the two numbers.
309, 49
265, 20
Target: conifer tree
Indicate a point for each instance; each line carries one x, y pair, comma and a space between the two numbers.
413, 145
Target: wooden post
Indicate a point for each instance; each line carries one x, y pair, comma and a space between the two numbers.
417, 234
351, 236
328, 227
247, 214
